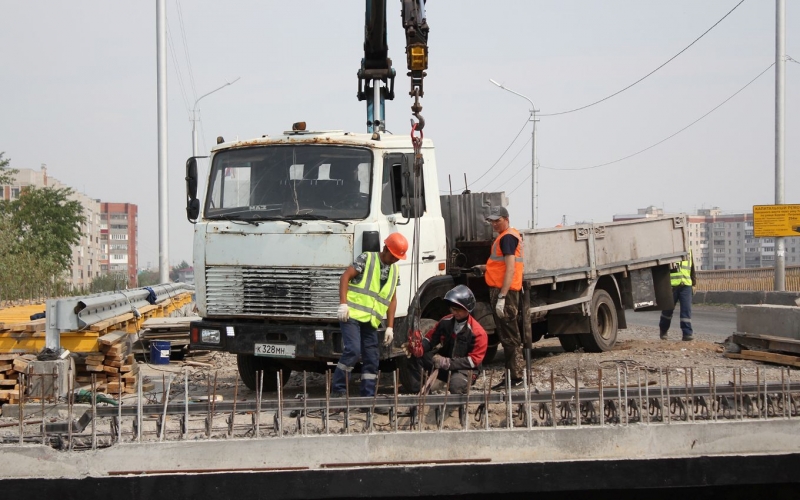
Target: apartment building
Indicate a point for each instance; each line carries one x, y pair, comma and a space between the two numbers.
725, 241
90, 258
119, 240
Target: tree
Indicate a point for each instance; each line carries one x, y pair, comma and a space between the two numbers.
173, 274
109, 283
47, 223
148, 278
6, 173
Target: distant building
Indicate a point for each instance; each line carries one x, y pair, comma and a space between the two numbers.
725, 241
119, 240
86, 254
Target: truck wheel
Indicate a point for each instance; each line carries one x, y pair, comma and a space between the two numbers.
404, 367
603, 323
483, 314
249, 365
570, 343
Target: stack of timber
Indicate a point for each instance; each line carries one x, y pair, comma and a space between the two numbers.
174, 330
11, 365
114, 369
765, 348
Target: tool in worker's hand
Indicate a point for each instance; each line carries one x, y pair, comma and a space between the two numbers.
428, 383
441, 362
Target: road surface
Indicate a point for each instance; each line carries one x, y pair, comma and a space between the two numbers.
718, 321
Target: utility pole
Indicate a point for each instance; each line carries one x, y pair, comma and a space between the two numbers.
161, 83
780, 94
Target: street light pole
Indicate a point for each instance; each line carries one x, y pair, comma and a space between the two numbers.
194, 114
534, 168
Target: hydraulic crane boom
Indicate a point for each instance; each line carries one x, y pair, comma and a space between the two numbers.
376, 66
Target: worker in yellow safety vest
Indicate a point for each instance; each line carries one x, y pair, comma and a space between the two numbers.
366, 298
682, 277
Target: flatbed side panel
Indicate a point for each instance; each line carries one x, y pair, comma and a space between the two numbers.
555, 251
638, 240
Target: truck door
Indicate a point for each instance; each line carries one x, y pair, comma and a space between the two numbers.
404, 200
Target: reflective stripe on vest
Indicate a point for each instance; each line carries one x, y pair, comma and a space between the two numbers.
682, 275
367, 300
496, 267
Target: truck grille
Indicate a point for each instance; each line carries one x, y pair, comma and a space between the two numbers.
285, 292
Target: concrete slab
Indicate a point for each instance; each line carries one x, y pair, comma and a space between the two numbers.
779, 321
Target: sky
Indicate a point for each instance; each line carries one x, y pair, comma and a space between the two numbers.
78, 93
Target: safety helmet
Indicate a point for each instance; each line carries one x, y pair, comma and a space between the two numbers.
461, 296
397, 245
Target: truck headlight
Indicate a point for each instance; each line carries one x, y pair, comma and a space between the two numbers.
209, 336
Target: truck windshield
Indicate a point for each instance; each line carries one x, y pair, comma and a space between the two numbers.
290, 181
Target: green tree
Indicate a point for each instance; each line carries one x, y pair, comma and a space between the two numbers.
6, 173
47, 223
109, 283
173, 274
148, 278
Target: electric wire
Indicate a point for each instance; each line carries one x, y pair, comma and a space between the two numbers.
504, 153
669, 137
178, 72
648, 74
524, 146
186, 48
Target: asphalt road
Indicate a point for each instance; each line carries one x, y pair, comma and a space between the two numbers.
718, 321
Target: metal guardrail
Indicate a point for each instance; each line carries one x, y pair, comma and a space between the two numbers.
77, 313
753, 280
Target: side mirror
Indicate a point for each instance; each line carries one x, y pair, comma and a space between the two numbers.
192, 203
411, 207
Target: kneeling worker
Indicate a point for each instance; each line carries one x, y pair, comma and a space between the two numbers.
463, 344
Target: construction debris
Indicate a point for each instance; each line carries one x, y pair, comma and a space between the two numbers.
765, 348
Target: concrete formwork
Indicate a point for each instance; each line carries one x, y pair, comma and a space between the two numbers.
560, 459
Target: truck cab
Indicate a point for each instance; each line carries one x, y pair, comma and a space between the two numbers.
280, 221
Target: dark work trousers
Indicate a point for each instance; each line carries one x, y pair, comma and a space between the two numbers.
458, 379
508, 332
360, 341
680, 294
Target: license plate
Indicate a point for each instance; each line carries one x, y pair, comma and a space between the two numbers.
275, 350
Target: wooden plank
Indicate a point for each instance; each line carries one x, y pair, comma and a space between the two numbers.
8, 357
767, 357
769, 342
107, 324
112, 338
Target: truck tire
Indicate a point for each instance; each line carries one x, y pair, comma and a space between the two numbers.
570, 343
249, 365
403, 366
482, 312
603, 324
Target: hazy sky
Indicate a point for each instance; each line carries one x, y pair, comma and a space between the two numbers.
78, 92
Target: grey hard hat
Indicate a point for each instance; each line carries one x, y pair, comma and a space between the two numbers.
497, 212
461, 296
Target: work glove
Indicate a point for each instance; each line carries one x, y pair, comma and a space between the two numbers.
343, 312
500, 307
414, 346
388, 336
441, 362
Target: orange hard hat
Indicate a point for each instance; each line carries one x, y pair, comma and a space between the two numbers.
397, 245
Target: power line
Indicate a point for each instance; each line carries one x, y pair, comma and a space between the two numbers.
487, 183
178, 71
186, 48
648, 74
671, 136
504, 152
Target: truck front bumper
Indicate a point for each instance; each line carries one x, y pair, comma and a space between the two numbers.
310, 342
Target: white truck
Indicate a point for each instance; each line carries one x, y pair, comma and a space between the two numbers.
282, 217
